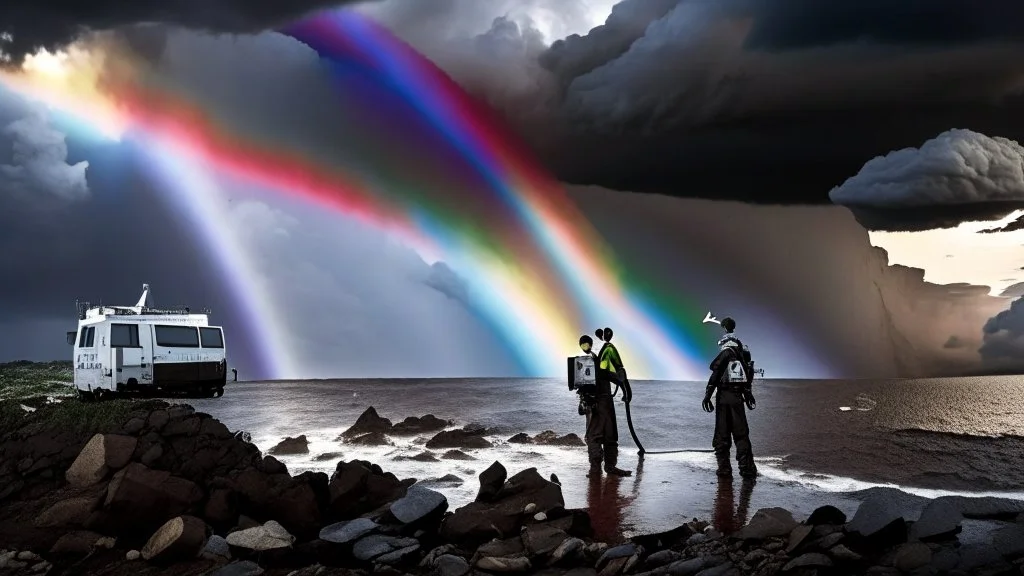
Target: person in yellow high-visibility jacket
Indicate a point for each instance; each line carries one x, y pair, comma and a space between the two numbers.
602, 430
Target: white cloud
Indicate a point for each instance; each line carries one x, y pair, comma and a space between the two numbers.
38, 166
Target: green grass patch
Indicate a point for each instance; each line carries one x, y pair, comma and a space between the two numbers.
68, 414
23, 379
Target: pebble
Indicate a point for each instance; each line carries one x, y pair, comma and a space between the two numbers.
132, 555
27, 555
540, 517
530, 508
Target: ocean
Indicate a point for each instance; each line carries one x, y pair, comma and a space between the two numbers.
815, 442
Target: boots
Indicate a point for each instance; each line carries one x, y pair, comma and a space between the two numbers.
724, 467
595, 469
613, 471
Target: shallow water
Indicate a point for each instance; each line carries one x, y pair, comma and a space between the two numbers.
815, 442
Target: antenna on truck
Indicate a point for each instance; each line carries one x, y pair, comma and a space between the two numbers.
145, 296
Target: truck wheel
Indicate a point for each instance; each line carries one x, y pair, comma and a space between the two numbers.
85, 396
218, 392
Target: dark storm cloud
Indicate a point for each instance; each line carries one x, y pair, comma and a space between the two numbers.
769, 101
31, 25
447, 282
1004, 338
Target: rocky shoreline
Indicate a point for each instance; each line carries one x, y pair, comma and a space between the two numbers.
162, 489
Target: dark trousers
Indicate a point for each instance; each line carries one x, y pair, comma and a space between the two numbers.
731, 426
602, 432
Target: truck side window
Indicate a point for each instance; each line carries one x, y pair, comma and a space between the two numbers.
124, 335
211, 337
90, 334
81, 336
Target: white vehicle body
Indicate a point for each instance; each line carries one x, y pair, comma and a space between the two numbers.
124, 348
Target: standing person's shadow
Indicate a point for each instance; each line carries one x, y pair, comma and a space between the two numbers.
730, 515
605, 503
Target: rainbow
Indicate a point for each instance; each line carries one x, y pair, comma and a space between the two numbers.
537, 271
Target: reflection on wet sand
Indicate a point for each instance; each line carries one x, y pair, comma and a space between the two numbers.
729, 515
606, 503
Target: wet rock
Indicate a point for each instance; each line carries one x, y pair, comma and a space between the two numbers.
102, 454
726, 569
70, 512
375, 545
76, 542
216, 549
549, 438
392, 558
570, 550
425, 456
503, 565
491, 481
345, 532
985, 508
413, 425
368, 422
468, 437
451, 565
945, 560
446, 479
811, 560
768, 522
358, 487
328, 456
501, 548
1009, 540
180, 538
371, 439
269, 536
939, 519
622, 551
540, 540
975, 556
755, 556
140, 500
842, 553
912, 556
417, 504
878, 518
686, 567
826, 515
829, 540
521, 438
798, 536
244, 568
272, 466
456, 455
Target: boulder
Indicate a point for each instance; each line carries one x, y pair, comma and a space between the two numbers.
468, 437
812, 560
550, 438
269, 536
571, 549
456, 455
359, 487
767, 523
102, 454
798, 536
78, 542
878, 518
348, 531
504, 565
216, 549
370, 439
1009, 540
826, 515
328, 456
71, 512
298, 445
373, 546
368, 422
417, 504
912, 556
413, 425
521, 438
844, 554
181, 538
451, 565
541, 540
975, 556
939, 519
502, 515
140, 500
986, 507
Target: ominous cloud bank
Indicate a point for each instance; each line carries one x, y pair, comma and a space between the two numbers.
954, 177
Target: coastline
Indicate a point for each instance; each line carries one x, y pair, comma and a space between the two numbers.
214, 483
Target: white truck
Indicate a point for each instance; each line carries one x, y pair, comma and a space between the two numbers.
142, 349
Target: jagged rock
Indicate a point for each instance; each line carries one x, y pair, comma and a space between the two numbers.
755, 556
986, 507
140, 499
397, 556
878, 518
216, 549
491, 481
540, 540
826, 515
840, 552
766, 523
697, 539
243, 568
426, 456
975, 556
446, 479
76, 542
451, 565
359, 487
480, 521
503, 565
328, 456
418, 503
912, 556
456, 455
371, 439
621, 551
1009, 540
269, 536
945, 559
549, 438
413, 425
368, 422
798, 536
463, 438
521, 438
939, 519
502, 548
101, 454
70, 512
374, 545
180, 538
345, 532
829, 540
811, 560
613, 567
569, 550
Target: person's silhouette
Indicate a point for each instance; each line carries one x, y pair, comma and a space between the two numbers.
728, 515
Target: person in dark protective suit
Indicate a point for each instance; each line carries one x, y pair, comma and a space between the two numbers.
732, 374
602, 427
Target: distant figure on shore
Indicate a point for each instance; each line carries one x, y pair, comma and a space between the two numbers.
234, 372
732, 373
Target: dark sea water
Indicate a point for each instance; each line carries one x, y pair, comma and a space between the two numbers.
815, 442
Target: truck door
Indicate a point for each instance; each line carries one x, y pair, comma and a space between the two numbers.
127, 354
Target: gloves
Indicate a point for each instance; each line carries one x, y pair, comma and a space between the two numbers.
707, 405
748, 399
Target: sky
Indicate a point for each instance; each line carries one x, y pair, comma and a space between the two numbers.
834, 175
